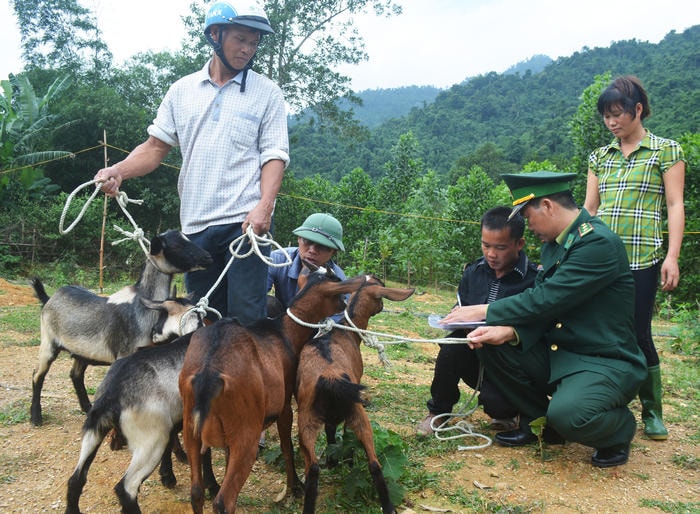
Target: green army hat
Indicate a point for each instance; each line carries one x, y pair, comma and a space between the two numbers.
322, 228
526, 186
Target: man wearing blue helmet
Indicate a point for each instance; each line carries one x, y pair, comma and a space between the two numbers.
231, 126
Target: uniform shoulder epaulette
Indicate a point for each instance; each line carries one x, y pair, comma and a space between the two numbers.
584, 228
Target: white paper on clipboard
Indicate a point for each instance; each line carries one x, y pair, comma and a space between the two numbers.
434, 320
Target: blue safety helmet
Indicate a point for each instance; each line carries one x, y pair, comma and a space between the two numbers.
250, 15
224, 13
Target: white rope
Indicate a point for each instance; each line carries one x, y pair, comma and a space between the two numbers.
235, 247
82, 211
122, 200
196, 310
329, 322
463, 428
370, 341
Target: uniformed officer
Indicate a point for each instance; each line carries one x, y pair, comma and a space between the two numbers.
571, 337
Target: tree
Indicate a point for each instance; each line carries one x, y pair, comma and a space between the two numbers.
311, 39
26, 123
401, 174
587, 129
61, 34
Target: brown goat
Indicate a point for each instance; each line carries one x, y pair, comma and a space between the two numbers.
328, 389
236, 381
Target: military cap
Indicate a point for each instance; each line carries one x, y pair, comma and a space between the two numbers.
322, 228
527, 186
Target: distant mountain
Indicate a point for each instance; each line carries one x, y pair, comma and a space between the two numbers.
517, 116
380, 105
534, 64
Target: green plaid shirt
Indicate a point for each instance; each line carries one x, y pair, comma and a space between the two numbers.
631, 193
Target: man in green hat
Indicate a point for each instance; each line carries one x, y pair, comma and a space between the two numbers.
319, 238
571, 337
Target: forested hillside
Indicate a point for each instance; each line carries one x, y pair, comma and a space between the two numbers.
525, 116
379, 105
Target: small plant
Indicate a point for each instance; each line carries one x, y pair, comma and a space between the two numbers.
391, 452
686, 461
686, 330
14, 413
537, 427
671, 506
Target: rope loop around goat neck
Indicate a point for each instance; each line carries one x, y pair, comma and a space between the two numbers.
370, 341
203, 304
323, 327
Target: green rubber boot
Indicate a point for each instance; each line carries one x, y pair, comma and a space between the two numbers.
650, 396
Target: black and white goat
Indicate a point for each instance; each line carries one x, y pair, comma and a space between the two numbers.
140, 399
96, 330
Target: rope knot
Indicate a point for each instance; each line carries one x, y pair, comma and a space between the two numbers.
325, 326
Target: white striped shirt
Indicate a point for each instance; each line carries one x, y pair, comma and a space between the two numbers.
225, 137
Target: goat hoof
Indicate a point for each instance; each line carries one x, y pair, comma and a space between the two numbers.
181, 456
168, 481
298, 489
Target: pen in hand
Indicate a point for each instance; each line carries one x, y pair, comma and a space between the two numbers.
459, 301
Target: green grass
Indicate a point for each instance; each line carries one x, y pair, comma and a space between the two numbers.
15, 413
671, 506
20, 325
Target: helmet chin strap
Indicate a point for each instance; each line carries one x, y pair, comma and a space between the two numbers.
219, 51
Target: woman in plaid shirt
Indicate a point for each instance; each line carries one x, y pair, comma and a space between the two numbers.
627, 181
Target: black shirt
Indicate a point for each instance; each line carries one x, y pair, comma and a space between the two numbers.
479, 284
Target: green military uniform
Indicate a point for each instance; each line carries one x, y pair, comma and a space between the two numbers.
577, 341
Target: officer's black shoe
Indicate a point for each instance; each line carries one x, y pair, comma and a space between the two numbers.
515, 437
520, 437
612, 456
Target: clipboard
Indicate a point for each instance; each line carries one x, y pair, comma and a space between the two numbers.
434, 320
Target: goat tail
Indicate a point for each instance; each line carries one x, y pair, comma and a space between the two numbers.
39, 290
206, 385
101, 418
336, 397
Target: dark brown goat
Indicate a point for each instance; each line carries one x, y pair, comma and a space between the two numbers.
236, 381
328, 389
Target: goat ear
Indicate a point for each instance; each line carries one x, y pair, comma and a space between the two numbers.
156, 245
395, 294
150, 304
350, 285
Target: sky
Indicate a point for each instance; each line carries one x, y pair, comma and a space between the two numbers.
433, 43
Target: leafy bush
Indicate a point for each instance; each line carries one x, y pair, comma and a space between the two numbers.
686, 331
349, 453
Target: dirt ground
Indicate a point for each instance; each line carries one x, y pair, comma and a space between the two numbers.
38, 461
